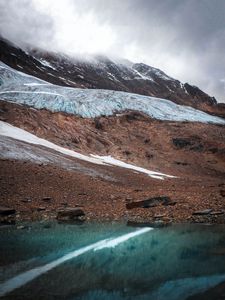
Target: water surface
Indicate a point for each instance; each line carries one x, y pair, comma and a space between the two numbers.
110, 261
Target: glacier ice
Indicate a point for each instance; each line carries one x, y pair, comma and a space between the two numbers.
28, 90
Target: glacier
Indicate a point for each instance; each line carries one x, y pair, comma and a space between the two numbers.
21, 88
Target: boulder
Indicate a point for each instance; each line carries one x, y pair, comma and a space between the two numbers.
202, 212
70, 214
6, 211
151, 202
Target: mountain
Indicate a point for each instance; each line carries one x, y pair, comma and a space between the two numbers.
115, 154
21, 88
100, 72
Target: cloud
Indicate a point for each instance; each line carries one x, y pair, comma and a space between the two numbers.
186, 39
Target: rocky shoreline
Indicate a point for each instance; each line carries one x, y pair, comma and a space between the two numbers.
32, 192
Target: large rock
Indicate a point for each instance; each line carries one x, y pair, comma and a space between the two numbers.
70, 214
151, 202
6, 211
202, 212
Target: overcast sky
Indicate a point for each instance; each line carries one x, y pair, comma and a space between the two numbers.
184, 38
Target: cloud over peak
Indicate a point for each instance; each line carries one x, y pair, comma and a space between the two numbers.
186, 39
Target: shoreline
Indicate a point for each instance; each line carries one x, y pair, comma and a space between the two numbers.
38, 192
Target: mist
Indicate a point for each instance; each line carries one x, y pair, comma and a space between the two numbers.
185, 39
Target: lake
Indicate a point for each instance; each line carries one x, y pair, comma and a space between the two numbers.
48, 260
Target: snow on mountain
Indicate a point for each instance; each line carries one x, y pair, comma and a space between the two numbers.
101, 72
90, 103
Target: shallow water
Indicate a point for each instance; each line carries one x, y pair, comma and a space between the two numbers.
110, 261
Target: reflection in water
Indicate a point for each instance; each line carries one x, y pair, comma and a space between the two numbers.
30, 275
171, 263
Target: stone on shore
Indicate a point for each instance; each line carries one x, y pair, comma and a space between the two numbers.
202, 212
6, 211
151, 202
70, 214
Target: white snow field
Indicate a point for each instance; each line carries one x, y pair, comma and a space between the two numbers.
29, 90
22, 135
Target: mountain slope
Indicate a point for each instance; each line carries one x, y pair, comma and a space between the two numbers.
103, 73
193, 152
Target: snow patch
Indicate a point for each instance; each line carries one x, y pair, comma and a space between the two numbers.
115, 162
22, 135
46, 64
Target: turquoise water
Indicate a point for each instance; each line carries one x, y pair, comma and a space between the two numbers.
110, 261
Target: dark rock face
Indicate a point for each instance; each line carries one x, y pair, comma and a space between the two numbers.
104, 73
151, 202
197, 94
193, 143
70, 214
181, 142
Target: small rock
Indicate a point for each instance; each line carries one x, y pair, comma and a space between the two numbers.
46, 199
202, 212
222, 193
159, 216
128, 199
41, 208
216, 213
6, 211
159, 223
26, 200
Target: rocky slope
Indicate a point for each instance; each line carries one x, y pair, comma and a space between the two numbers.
103, 73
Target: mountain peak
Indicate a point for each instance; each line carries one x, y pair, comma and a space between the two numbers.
102, 72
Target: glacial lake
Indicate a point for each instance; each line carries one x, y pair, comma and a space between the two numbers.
110, 261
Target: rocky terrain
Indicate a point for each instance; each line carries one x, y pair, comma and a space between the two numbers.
38, 188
